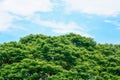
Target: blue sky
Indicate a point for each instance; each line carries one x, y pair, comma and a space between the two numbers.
99, 19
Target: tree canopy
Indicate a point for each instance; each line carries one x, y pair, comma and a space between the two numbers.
65, 57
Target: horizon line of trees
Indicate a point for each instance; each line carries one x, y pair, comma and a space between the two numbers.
65, 57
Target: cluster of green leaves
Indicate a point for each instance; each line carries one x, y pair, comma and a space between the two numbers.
65, 57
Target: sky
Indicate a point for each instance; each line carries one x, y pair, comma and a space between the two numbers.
98, 19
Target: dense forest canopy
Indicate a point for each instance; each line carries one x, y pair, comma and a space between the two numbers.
64, 57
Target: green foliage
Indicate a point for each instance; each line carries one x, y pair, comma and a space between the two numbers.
65, 57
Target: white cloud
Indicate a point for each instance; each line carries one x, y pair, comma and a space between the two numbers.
112, 22
25, 8
60, 27
115, 23
5, 21
98, 7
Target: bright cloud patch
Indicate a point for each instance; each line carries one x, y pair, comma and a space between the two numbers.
61, 27
25, 8
98, 7
5, 21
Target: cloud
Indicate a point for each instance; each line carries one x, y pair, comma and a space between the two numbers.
24, 8
5, 21
115, 23
97, 7
61, 27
